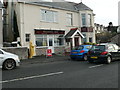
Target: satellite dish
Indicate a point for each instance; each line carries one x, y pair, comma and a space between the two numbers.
118, 29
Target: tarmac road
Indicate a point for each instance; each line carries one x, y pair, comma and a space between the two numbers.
62, 73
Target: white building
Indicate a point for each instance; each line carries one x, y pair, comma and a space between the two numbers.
49, 24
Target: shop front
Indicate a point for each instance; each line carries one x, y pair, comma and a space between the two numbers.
49, 39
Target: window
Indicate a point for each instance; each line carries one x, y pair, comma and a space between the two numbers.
98, 48
83, 19
69, 19
27, 37
88, 47
58, 40
89, 20
90, 39
45, 40
49, 16
41, 40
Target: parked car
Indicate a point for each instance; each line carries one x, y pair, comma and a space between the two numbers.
80, 52
104, 52
8, 61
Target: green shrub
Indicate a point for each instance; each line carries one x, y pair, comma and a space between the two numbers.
89, 43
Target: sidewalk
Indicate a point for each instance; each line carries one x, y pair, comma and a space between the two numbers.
44, 59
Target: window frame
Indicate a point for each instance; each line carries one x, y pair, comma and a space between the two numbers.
69, 17
89, 20
27, 37
46, 14
83, 18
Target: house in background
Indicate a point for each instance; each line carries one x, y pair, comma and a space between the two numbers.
99, 28
1, 26
48, 24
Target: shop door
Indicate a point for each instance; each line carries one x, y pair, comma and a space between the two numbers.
76, 41
51, 43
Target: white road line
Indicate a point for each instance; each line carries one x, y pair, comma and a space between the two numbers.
96, 66
31, 77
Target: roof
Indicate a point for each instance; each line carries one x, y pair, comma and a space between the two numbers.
82, 6
72, 33
71, 6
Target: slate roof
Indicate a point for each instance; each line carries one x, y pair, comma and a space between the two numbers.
82, 6
70, 33
71, 6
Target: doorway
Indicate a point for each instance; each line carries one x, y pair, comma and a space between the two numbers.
76, 41
51, 43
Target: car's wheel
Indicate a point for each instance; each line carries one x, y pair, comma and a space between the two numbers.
109, 59
9, 64
85, 57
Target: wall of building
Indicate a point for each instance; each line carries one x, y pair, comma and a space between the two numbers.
88, 34
1, 29
29, 18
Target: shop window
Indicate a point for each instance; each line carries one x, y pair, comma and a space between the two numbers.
61, 41
27, 37
58, 40
41, 40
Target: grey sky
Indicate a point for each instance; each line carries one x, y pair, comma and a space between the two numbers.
106, 10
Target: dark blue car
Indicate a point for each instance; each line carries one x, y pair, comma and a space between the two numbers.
80, 52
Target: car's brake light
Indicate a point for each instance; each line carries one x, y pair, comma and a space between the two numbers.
88, 52
104, 53
82, 51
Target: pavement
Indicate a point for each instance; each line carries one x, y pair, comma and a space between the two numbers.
44, 59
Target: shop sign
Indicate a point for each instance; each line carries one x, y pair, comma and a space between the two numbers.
49, 32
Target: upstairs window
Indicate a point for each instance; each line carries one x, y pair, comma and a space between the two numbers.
89, 20
49, 16
69, 19
83, 19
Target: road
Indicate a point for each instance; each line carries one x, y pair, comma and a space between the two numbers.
62, 74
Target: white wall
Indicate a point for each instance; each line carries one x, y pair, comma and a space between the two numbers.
30, 19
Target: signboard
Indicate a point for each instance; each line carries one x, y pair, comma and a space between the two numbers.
49, 53
49, 32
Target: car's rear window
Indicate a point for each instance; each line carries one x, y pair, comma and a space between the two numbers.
78, 48
88, 47
98, 48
